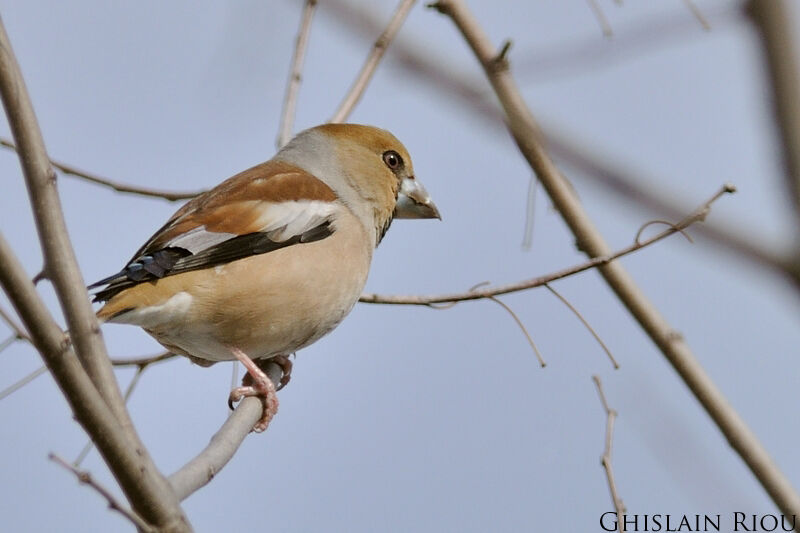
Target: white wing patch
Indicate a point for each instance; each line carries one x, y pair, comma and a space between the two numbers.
285, 220
280, 221
198, 239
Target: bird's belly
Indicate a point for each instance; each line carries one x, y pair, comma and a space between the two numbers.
263, 315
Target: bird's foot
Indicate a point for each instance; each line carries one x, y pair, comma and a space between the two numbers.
286, 364
255, 383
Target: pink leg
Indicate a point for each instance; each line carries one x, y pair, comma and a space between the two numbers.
286, 364
261, 386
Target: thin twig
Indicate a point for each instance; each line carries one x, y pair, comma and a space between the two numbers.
530, 211
295, 76
585, 323
699, 214
22, 382
666, 223
86, 478
697, 14
528, 137
234, 374
637, 188
19, 332
127, 396
643, 191
11, 339
69, 170
601, 18
378, 49
143, 361
605, 460
518, 321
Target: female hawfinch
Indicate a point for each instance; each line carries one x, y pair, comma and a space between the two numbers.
271, 259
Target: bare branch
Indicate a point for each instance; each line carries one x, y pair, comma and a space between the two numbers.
774, 22
8, 341
86, 478
593, 163
641, 190
585, 323
605, 460
8, 391
106, 414
19, 333
60, 262
143, 361
202, 469
666, 223
697, 14
70, 170
127, 396
528, 137
130, 465
699, 214
601, 18
530, 211
378, 49
518, 321
295, 77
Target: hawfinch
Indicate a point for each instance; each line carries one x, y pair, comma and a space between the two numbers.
272, 259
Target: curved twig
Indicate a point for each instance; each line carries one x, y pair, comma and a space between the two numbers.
666, 223
585, 323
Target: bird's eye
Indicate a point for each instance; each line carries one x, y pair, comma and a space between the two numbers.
392, 159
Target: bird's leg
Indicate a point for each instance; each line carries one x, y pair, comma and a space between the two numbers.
285, 363
255, 383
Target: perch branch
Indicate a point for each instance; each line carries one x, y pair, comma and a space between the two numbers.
202, 469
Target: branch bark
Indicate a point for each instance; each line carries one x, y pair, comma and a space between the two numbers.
90, 375
528, 137
130, 464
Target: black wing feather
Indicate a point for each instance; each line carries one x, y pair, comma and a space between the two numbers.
174, 260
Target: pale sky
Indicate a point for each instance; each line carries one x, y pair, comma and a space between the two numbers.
412, 419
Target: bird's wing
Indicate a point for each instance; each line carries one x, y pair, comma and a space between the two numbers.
270, 206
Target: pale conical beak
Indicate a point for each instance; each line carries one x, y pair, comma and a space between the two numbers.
413, 201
